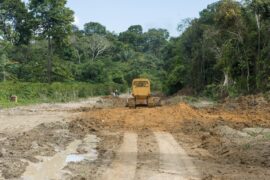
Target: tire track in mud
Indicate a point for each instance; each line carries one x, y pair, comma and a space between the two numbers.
124, 165
1, 177
174, 161
148, 156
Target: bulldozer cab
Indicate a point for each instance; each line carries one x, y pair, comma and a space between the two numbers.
141, 88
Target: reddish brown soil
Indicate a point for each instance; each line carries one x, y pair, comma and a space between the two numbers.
200, 131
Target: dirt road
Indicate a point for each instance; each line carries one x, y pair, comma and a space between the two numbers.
20, 119
101, 139
174, 163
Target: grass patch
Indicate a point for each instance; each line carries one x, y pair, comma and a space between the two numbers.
247, 146
33, 93
267, 136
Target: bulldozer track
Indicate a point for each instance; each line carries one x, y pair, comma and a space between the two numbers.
124, 165
172, 160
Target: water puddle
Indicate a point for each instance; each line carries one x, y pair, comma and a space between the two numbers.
2, 139
90, 156
74, 158
1, 176
51, 167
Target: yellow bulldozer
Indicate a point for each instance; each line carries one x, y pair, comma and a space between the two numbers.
141, 92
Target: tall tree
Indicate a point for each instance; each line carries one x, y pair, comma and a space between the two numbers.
54, 23
97, 45
15, 21
261, 10
228, 20
134, 37
156, 40
94, 28
135, 29
5, 61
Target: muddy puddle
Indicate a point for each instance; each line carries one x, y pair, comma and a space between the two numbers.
52, 167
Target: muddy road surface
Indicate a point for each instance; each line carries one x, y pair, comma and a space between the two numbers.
101, 139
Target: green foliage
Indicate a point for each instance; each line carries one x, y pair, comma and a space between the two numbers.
94, 72
53, 23
133, 37
15, 22
52, 19
137, 29
92, 28
6, 65
29, 93
224, 52
217, 91
212, 91
61, 71
61, 52
156, 40
247, 147
146, 66
260, 7
176, 79
267, 136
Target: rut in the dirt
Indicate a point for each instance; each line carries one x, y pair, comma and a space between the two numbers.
124, 165
170, 161
148, 155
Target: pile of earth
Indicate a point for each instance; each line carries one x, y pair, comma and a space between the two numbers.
232, 136
234, 132
227, 145
246, 102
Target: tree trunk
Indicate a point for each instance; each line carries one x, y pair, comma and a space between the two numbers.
49, 65
93, 56
4, 74
257, 63
248, 71
248, 76
79, 56
203, 64
226, 79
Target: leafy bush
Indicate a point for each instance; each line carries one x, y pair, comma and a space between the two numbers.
94, 72
212, 91
215, 91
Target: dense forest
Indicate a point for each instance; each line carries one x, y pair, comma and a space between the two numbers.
225, 51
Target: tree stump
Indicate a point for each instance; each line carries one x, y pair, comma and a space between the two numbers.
13, 98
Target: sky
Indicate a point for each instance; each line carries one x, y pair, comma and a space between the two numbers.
118, 15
